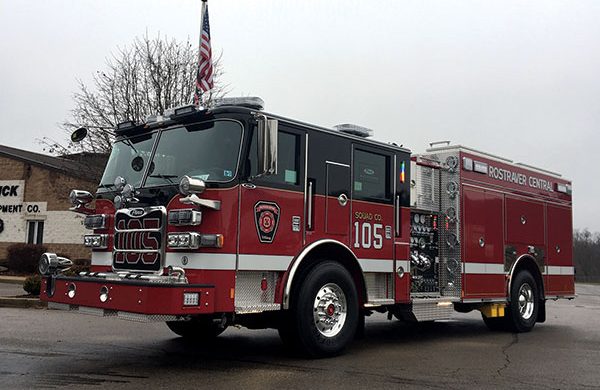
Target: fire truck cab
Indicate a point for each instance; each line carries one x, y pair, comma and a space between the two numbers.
206, 218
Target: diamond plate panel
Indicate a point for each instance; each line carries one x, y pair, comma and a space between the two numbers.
450, 266
430, 311
249, 295
379, 286
427, 188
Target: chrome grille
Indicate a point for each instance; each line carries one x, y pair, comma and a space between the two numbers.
139, 243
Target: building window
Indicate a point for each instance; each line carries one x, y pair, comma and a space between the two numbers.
35, 232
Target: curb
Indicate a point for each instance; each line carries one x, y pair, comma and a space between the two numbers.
12, 279
24, 303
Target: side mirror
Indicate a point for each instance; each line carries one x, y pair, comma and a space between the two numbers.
79, 134
267, 146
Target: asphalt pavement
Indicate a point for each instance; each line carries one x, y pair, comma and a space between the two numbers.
53, 349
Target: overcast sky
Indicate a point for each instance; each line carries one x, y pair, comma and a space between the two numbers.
519, 79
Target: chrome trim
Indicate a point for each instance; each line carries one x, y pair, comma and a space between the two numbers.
306, 214
484, 300
239, 227
309, 221
135, 230
296, 263
337, 163
136, 251
196, 200
512, 271
163, 237
397, 216
396, 198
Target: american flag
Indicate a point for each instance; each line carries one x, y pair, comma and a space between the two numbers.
204, 76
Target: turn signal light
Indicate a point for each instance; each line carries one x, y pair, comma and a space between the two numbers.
192, 240
97, 221
185, 217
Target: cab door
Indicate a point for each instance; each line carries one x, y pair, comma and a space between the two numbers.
272, 207
372, 219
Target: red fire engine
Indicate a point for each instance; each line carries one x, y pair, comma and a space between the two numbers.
231, 215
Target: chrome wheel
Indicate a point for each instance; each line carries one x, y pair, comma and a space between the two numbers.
526, 301
330, 309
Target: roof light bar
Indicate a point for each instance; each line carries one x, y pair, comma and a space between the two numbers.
349, 128
253, 102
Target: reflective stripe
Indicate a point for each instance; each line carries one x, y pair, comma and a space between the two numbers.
484, 268
220, 261
264, 262
101, 258
376, 265
559, 270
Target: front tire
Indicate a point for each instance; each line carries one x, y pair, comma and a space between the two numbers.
524, 304
324, 312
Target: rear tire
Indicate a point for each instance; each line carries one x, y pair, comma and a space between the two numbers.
523, 308
202, 329
324, 313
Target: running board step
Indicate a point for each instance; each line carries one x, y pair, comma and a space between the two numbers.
428, 311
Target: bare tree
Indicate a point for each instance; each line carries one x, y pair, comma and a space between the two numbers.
145, 78
586, 255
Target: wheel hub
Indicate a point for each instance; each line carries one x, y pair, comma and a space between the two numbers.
329, 310
526, 301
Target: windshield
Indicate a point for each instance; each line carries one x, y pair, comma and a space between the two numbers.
207, 151
127, 159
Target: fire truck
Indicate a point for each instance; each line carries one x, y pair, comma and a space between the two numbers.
206, 218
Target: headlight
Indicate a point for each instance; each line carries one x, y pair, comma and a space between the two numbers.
194, 240
97, 241
183, 240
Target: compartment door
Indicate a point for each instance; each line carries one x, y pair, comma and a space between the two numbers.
560, 277
483, 243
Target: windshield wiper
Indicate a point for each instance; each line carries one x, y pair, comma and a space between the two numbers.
105, 185
168, 177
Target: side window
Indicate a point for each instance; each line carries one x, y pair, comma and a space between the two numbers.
371, 177
288, 159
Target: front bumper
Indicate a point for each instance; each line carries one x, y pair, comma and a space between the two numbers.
129, 299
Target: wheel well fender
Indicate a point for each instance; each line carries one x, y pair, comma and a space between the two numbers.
316, 252
526, 262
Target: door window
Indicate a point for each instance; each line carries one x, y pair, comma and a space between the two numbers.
371, 177
288, 160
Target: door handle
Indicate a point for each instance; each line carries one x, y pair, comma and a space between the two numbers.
342, 199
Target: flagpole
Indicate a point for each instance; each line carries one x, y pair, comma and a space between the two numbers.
202, 12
